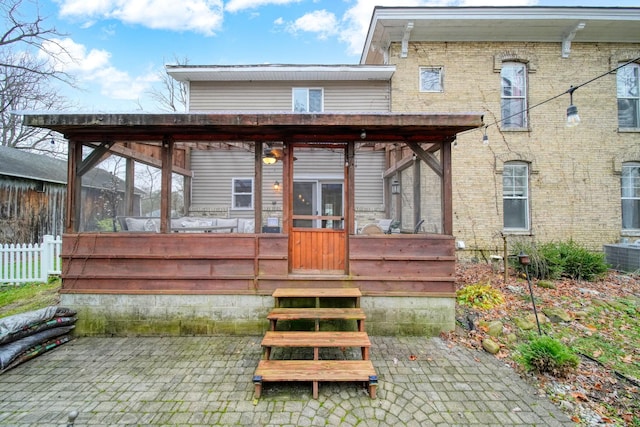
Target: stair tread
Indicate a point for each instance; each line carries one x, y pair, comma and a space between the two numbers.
317, 292
315, 339
316, 313
315, 370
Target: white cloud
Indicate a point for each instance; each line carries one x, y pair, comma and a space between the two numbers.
94, 68
356, 19
238, 5
201, 16
320, 22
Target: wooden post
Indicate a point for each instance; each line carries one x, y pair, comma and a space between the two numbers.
74, 188
165, 191
417, 193
129, 182
186, 190
447, 189
257, 214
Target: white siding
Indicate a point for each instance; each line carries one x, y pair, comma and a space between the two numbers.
351, 96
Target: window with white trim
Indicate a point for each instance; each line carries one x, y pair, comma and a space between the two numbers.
628, 84
307, 100
242, 193
630, 185
515, 196
431, 79
514, 95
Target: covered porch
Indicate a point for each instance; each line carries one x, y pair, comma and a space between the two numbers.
208, 282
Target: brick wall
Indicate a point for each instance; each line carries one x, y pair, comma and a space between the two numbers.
574, 182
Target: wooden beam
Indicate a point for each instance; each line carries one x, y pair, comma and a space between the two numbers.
123, 151
187, 180
100, 152
427, 157
400, 165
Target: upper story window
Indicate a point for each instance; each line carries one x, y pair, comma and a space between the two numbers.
630, 185
628, 82
431, 79
515, 196
306, 100
514, 95
242, 193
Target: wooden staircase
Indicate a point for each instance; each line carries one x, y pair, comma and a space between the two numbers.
316, 370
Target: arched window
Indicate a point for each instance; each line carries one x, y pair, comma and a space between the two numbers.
630, 186
515, 196
628, 82
514, 95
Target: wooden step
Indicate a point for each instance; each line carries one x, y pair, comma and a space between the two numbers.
315, 371
317, 314
317, 292
316, 340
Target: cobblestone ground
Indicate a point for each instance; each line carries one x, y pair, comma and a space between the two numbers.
204, 381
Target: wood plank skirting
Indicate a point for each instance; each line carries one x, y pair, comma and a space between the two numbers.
250, 264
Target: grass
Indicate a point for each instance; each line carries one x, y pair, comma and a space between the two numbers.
16, 299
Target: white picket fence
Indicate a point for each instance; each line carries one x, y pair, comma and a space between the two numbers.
25, 263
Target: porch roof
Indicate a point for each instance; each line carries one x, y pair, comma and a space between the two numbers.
248, 127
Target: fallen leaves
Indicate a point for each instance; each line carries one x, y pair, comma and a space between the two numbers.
605, 327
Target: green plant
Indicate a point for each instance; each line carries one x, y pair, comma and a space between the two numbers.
480, 296
564, 259
544, 354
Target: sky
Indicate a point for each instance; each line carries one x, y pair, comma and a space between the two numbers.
119, 47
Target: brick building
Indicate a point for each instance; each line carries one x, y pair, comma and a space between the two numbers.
517, 65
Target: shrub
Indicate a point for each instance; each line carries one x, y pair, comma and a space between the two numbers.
565, 259
544, 354
480, 296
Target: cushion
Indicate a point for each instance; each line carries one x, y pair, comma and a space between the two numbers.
227, 222
136, 224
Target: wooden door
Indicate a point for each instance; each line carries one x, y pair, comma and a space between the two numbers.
318, 233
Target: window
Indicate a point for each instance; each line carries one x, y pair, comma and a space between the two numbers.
242, 193
515, 195
514, 95
431, 79
628, 82
630, 196
307, 100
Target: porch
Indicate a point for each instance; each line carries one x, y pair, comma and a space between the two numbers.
201, 282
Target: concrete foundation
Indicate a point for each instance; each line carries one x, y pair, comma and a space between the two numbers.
186, 315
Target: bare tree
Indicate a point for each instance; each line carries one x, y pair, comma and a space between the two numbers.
171, 95
26, 74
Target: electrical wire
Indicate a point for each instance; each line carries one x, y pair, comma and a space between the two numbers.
568, 91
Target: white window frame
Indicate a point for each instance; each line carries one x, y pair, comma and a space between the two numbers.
308, 90
437, 84
512, 191
235, 194
507, 119
628, 80
630, 192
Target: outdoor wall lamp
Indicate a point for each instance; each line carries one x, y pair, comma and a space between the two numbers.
276, 186
395, 187
363, 134
573, 119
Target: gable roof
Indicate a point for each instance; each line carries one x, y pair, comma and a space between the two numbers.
23, 164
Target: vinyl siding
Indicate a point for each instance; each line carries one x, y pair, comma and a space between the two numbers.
215, 169
352, 96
